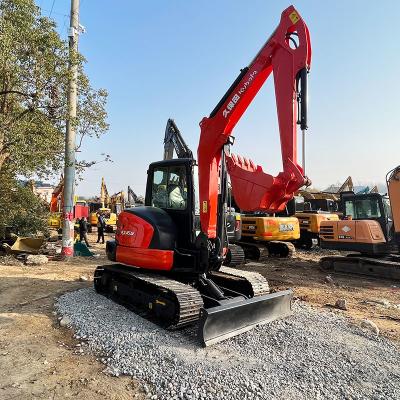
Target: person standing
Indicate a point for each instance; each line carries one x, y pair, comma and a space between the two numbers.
101, 224
83, 228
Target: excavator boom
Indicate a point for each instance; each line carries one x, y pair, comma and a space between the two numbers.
173, 140
287, 53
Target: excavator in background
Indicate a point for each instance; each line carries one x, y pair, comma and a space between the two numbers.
265, 235
133, 199
104, 207
117, 202
310, 213
318, 206
56, 206
173, 141
371, 228
170, 270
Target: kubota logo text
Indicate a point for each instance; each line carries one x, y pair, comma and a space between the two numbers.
127, 233
236, 96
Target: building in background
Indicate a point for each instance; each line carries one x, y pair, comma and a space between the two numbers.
43, 190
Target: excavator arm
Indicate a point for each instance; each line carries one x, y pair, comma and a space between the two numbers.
253, 189
133, 198
173, 140
57, 193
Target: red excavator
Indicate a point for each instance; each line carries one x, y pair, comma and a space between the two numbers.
170, 269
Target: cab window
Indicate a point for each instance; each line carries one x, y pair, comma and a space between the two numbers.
170, 188
363, 208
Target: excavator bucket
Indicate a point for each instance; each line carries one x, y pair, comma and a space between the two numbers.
231, 319
254, 189
27, 245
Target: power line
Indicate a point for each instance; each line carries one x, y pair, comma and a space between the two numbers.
52, 6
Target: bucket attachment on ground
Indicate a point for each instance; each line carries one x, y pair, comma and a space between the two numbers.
26, 245
231, 319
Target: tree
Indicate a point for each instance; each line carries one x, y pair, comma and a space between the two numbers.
33, 85
20, 207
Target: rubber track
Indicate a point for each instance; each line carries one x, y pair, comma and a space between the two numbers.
263, 253
289, 246
364, 266
258, 282
236, 256
189, 298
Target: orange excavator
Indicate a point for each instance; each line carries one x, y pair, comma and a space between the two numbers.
169, 269
370, 231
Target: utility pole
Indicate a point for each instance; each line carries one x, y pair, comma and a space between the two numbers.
303, 132
69, 169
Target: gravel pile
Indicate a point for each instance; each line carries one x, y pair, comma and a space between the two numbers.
312, 354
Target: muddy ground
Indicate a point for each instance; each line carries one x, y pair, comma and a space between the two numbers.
40, 360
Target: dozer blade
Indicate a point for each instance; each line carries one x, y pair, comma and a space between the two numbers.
228, 320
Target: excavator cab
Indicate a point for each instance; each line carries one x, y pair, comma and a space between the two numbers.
170, 187
370, 206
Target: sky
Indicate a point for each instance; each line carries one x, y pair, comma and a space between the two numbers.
162, 59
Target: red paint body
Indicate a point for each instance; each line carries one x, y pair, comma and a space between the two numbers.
146, 258
81, 211
133, 231
254, 189
134, 236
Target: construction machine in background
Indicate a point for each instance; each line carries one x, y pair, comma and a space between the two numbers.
103, 206
264, 236
133, 199
55, 219
310, 213
56, 205
170, 270
173, 141
117, 202
371, 228
316, 207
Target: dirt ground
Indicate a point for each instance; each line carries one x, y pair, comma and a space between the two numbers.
364, 295
40, 360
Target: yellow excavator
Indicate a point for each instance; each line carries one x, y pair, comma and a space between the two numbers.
371, 229
310, 212
117, 202
264, 235
316, 207
103, 207
56, 204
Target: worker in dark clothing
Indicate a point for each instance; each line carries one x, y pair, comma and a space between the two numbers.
101, 224
83, 228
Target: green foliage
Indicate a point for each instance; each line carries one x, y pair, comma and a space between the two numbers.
21, 208
33, 92
34, 75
